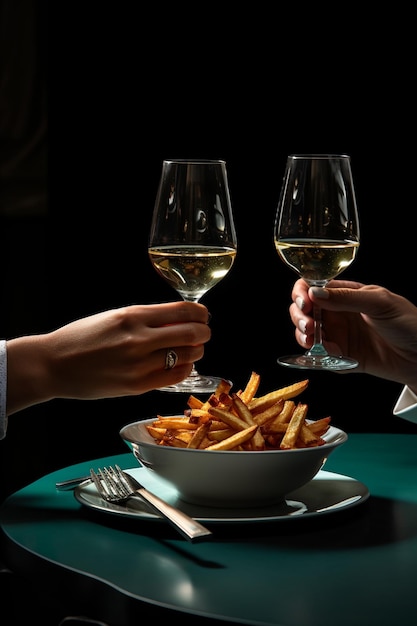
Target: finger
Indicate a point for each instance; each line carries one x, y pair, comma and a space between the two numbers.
363, 299
300, 292
344, 284
302, 322
183, 356
302, 339
180, 335
303, 297
150, 373
175, 313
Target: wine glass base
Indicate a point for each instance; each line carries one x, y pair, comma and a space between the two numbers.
322, 362
196, 384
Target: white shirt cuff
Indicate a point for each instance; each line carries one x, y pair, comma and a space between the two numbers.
3, 388
406, 405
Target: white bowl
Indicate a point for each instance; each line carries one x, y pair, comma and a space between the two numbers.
230, 478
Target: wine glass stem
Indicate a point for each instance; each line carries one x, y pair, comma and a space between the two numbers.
193, 373
317, 349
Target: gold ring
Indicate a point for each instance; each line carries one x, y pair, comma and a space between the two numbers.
171, 359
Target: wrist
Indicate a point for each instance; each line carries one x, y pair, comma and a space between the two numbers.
27, 373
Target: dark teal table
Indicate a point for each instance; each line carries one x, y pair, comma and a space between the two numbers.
353, 566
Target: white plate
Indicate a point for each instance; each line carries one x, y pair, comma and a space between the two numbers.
326, 493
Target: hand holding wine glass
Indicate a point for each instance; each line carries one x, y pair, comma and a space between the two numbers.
317, 235
192, 242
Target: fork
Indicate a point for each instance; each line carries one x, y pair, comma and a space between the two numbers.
115, 485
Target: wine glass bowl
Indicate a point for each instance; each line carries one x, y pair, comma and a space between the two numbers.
192, 270
317, 235
192, 243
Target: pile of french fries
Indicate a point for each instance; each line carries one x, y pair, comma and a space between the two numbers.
241, 421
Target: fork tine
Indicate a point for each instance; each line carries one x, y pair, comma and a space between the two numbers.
123, 478
107, 486
96, 481
105, 483
113, 486
108, 480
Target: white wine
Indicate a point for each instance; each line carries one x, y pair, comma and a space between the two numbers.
317, 260
192, 270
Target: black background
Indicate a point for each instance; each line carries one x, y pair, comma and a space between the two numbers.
126, 91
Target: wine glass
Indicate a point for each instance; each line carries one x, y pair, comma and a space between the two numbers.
192, 242
317, 235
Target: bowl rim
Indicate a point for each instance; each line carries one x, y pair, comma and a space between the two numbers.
338, 435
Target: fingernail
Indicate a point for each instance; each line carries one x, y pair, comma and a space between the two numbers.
208, 318
302, 326
300, 302
304, 339
319, 292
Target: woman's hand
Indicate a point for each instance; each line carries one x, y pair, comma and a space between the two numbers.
367, 322
118, 352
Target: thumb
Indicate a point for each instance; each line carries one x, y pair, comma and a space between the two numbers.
363, 299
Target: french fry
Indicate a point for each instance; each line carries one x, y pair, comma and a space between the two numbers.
228, 418
241, 421
156, 433
293, 430
275, 429
272, 441
177, 438
307, 436
257, 442
235, 440
199, 435
174, 423
320, 426
226, 400
199, 416
242, 410
256, 405
282, 418
271, 413
251, 388
218, 425
194, 403
224, 386
219, 435
287, 411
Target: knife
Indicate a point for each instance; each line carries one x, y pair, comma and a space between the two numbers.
67, 485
